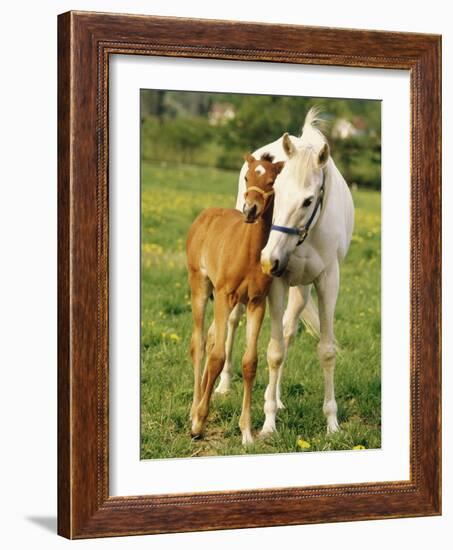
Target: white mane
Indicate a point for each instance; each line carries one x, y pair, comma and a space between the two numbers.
311, 135
298, 167
305, 159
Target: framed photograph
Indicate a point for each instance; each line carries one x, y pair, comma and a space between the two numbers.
249, 275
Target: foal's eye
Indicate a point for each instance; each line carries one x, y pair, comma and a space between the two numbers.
307, 202
246, 179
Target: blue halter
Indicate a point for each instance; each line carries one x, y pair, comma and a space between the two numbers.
302, 232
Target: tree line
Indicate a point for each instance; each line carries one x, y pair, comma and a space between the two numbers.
215, 129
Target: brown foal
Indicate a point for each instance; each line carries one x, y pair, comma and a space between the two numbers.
223, 255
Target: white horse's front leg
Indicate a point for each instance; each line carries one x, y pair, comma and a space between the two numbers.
275, 352
327, 286
227, 371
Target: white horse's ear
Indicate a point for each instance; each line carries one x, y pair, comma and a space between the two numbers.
323, 156
288, 145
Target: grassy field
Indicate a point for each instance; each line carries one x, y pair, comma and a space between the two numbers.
171, 198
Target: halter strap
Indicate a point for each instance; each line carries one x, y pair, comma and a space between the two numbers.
302, 232
258, 190
265, 195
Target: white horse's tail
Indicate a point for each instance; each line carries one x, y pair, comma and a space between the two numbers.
310, 320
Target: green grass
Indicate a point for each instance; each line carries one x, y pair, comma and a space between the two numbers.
171, 198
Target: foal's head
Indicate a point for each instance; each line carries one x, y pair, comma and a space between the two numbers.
259, 180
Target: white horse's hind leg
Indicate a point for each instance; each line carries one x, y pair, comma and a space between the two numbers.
275, 353
297, 298
327, 286
225, 375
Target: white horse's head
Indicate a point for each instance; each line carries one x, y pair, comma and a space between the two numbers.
298, 193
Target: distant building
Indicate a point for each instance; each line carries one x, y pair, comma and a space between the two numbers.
221, 113
344, 129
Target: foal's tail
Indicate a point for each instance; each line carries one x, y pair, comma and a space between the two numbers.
310, 320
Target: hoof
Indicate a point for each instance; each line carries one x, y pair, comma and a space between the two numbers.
267, 431
247, 439
197, 428
222, 389
332, 426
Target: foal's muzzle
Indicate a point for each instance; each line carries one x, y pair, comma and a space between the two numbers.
250, 212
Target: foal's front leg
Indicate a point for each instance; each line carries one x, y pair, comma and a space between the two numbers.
255, 314
275, 352
327, 286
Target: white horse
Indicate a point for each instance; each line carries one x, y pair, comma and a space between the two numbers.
311, 233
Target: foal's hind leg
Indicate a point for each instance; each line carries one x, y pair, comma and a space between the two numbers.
210, 338
255, 314
225, 375
214, 364
327, 285
200, 290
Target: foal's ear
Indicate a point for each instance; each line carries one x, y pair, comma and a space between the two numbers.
278, 167
323, 156
249, 158
288, 145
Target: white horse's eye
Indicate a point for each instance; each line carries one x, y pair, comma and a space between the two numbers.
307, 202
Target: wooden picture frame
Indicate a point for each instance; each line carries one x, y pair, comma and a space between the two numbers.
85, 42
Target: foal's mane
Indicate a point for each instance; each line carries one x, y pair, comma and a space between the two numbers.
267, 156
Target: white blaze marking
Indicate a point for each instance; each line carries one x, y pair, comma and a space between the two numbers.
260, 169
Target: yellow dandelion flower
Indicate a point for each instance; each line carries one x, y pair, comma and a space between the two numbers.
358, 448
303, 444
175, 337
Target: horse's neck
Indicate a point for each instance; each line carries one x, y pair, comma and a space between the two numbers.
336, 219
327, 216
